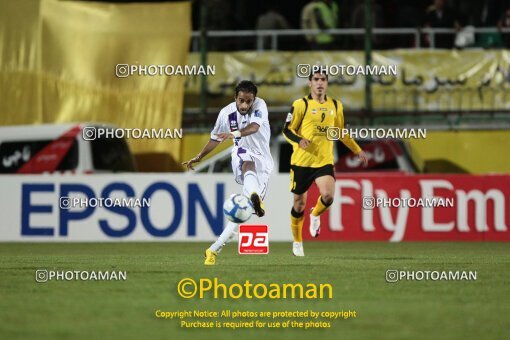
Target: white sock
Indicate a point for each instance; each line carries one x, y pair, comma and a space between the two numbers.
251, 183
224, 237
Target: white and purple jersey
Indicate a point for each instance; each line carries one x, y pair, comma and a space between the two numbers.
254, 147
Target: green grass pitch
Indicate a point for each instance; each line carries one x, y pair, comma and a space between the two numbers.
114, 309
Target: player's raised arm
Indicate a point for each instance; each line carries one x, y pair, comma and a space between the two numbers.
211, 144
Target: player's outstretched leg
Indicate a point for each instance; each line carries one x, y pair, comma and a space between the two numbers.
258, 204
215, 248
251, 187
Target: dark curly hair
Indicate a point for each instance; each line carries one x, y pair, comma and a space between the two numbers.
246, 86
317, 69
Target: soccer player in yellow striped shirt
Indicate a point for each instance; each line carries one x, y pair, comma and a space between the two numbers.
306, 128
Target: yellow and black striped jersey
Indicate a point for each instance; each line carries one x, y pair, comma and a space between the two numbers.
310, 119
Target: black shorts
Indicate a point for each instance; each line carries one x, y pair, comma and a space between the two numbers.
302, 177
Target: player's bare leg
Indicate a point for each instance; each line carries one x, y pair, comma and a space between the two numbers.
215, 248
297, 218
251, 187
326, 185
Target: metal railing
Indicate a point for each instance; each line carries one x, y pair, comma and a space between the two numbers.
275, 35
458, 108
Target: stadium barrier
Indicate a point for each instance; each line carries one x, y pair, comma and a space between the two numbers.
425, 80
488, 36
186, 207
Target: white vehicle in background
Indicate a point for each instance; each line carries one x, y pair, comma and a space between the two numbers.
384, 155
61, 148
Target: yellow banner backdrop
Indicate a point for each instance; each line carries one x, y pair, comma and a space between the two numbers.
425, 79
58, 64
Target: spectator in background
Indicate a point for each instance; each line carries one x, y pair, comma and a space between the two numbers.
504, 22
333, 8
309, 21
218, 12
406, 17
358, 21
271, 20
323, 15
465, 36
486, 12
440, 16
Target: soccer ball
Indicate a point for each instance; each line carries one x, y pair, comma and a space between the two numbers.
238, 208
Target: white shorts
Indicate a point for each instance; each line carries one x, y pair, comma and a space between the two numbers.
241, 154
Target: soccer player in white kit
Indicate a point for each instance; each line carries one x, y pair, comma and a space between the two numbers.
246, 121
